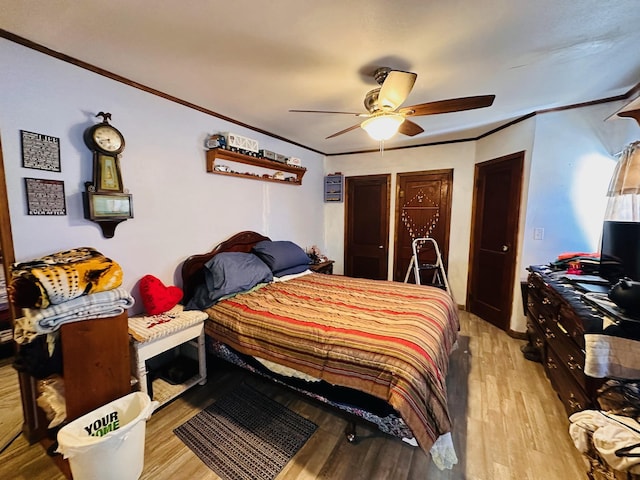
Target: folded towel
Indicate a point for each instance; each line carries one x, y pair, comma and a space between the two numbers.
46, 320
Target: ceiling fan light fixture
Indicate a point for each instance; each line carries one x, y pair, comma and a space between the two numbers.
384, 126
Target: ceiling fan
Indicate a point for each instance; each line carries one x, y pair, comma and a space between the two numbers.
385, 118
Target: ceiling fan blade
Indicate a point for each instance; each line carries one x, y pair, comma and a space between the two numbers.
343, 131
409, 128
330, 111
395, 89
449, 106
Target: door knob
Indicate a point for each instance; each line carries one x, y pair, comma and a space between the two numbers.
380, 246
505, 248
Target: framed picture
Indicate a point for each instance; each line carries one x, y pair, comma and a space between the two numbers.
39, 151
45, 197
108, 206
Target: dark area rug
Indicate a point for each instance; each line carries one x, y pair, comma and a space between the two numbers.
246, 435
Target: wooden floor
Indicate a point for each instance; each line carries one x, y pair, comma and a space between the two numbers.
10, 411
508, 424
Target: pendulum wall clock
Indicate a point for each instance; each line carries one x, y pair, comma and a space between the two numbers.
105, 199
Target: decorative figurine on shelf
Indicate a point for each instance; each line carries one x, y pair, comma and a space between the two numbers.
216, 140
315, 255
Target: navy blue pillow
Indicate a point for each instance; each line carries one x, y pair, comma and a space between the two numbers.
291, 271
228, 273
281, 254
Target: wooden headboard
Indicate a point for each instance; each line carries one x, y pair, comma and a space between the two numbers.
192, 274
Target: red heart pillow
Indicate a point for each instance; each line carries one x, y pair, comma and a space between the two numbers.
156, 297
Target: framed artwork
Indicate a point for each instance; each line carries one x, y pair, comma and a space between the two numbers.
39, 151
45, 197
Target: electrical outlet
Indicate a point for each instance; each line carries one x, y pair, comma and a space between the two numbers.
538, 233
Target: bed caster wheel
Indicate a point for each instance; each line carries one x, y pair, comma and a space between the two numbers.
350, 432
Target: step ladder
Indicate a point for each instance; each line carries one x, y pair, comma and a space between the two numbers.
439, 278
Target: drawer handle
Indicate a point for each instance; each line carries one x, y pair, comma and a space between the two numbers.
530, 304
546, 301
539, 343
572, 364
574, 404
551, 364
541, 319
549, 334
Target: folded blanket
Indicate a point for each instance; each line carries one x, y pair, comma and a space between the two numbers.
97, 305
62, 276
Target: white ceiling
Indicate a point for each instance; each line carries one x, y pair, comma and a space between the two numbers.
253, 60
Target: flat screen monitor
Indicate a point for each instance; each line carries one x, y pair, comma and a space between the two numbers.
620, 251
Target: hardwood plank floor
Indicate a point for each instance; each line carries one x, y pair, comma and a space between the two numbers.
508, 424
10, 411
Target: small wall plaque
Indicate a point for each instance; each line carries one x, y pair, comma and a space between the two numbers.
45, 197
39, 151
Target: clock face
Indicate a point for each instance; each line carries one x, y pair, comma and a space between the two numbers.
108, 138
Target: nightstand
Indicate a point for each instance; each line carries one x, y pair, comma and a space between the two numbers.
323, 267
176, 338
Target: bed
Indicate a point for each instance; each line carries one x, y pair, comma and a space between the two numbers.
375, 349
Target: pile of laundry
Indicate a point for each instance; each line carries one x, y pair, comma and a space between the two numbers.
608, 441
68, 286
609, 438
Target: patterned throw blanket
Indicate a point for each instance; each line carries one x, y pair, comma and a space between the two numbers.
389, 339
63, 276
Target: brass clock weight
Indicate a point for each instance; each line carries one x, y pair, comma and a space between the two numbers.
106, 201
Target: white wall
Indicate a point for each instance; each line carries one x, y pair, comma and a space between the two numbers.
572, 165
572, 162
179, 208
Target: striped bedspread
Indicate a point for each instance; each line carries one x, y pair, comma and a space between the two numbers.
389, 339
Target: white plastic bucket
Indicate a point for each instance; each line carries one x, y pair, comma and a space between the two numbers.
108, 443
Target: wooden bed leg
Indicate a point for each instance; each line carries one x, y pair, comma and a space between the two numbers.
350, 431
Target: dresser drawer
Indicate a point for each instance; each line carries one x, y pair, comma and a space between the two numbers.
572, 324
569, 355
570, 392
541, 298
536, 336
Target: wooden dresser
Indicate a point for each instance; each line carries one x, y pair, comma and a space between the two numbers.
557, 319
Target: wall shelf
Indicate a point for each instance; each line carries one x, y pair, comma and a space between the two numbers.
333, 187
219, 154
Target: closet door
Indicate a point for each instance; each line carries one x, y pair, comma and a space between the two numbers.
367, 226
